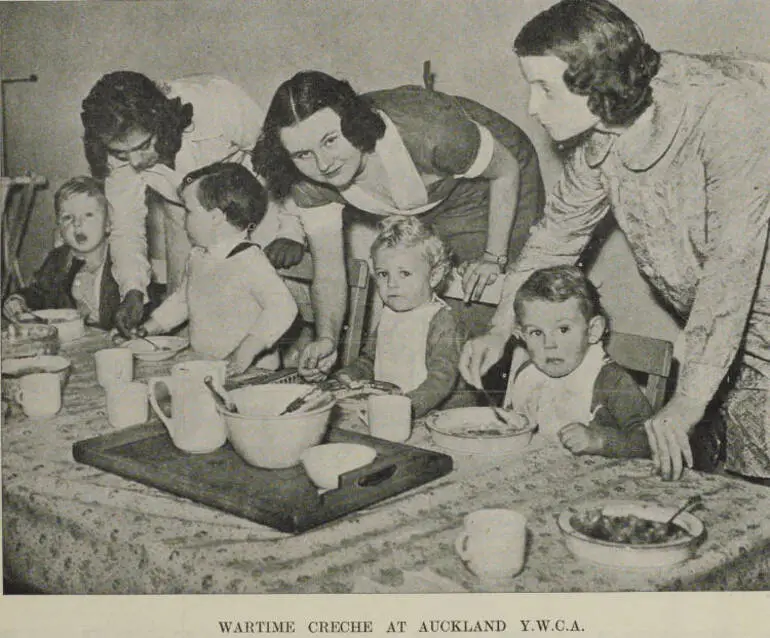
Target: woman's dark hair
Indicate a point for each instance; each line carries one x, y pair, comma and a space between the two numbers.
608, 59
231, 188
557, 284
296, 100
125, 100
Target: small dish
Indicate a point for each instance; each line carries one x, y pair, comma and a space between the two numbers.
68, 321
688, 531
14, 369
477, 430
325, 463
168, 347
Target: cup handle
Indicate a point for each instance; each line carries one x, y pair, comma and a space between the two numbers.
461, 545
363, 415
162, 415
18, 396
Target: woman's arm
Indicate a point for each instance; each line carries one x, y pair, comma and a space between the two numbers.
735, 139
503, 175
577, 204
328, 290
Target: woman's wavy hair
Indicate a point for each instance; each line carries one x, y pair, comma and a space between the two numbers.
409, 231
125, 100
608, 59
233, 189
297, 99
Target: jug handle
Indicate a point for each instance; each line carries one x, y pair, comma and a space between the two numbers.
165, 417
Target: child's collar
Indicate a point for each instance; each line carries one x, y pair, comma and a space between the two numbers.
222, 248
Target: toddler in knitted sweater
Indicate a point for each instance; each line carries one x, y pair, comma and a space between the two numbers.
236, 303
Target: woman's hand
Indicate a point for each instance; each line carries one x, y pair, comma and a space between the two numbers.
284, 252
477, 275
668, 433
317, 359
239, 361
130, 312
479, 355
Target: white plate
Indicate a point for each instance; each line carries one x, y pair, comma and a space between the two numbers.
68, 322
645, 556
477, 430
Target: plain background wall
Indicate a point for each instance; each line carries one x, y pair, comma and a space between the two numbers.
372, 43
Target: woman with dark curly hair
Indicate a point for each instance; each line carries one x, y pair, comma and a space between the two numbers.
677, 148
468, 172
142, 138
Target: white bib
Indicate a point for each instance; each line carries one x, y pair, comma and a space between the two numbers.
402, 339
552, 403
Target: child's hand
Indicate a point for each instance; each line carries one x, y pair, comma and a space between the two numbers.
284, 252
14, 307
580, 439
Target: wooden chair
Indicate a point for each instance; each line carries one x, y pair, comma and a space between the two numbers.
17, 196
358, 295
647, 356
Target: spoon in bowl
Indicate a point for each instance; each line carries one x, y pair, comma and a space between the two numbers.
222, 400
689, 503
501, 414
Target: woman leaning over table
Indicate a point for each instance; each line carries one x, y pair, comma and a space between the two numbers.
142, 137
679, 150
467, 171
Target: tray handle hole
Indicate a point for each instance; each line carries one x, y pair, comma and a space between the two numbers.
375, 478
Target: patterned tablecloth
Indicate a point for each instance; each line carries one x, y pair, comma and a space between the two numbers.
70, 528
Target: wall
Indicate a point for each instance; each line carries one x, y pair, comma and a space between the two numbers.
373, 43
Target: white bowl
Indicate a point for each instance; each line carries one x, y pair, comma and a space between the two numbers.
68, 322
325, 463
265, 439
143, 351
14, 369
617, 554
478, 431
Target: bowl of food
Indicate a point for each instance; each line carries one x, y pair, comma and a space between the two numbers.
630, 533
68, 321
14, 369
28, 340
157, 348
478, 430
325, 463
263, 436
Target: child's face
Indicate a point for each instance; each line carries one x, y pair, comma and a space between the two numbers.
403, 277
83, 222
557, 335
199, 222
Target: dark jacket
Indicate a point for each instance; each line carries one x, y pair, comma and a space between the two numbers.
51, 286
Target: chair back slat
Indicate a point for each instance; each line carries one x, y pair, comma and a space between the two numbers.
650, 356
359, 284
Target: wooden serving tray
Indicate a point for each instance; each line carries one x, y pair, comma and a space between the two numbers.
285, 500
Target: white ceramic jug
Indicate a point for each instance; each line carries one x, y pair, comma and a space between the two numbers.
194, 424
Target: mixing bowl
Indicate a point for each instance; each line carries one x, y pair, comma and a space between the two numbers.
265, 439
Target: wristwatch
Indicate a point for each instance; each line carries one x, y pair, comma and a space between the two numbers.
492, 258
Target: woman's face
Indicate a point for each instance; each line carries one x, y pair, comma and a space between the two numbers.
562, 113
137, 148
320, 151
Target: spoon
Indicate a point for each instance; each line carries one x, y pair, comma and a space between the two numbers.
300, 401
501, 414
222, 400
690, 502
154, 345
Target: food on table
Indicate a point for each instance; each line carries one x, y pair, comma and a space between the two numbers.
358, 390
629, 529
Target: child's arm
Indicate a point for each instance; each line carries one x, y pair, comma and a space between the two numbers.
278, 312
445, 342
617, 429
49, 287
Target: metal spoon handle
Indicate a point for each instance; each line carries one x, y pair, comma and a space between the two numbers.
222, 401
690, 502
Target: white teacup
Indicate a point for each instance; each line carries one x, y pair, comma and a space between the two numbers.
114, 365
39, 394
493, 543
389, 417
127, 404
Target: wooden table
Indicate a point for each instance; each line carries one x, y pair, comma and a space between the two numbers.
69, 528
